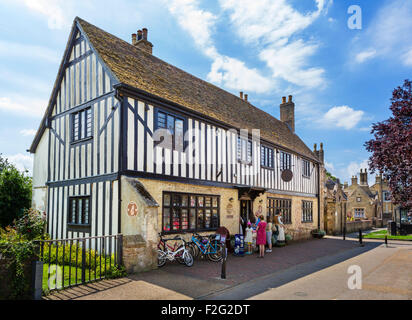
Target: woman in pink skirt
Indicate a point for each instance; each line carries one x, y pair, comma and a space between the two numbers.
261, 236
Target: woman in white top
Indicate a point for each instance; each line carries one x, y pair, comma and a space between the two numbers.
280, 226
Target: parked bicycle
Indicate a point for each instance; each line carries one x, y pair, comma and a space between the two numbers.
177, 252
206, 246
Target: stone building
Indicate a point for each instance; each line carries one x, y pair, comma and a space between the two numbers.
366, 203
131, 144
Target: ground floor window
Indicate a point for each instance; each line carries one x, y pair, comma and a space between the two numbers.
284, 205
307, 211
79, 213
359, 213
184, 212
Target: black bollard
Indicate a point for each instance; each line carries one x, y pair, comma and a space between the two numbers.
224, 254
344, 233
360, 237
386, 241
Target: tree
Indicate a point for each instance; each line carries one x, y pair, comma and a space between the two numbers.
15, 192
330, 176
391, 146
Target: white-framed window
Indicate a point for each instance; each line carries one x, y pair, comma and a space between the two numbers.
305, 168
358, 199
359, 213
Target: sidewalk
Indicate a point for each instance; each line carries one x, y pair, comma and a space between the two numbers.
202, 281
386, 274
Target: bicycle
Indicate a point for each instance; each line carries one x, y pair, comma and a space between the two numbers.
181, 254
208, 246
162, 246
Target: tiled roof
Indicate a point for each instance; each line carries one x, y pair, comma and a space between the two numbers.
143, 71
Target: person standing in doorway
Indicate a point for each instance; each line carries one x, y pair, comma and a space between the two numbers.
261, 236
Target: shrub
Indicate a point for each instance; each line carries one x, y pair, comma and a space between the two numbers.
32, 225
72, 255
15, 192
18, 252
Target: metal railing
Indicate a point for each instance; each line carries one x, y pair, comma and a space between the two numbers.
71, 262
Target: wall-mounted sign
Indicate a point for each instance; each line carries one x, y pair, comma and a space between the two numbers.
132, 209
287, 175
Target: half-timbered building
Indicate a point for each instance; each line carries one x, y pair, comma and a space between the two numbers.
131, 144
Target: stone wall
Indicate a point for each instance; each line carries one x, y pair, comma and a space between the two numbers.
354, 226
139, 227
230, 205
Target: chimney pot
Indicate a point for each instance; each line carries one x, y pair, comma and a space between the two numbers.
290, 98
241, 95
134, 38
283, 99
144, 33
314, 147
246, 97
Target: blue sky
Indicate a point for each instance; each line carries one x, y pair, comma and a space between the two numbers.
341, 78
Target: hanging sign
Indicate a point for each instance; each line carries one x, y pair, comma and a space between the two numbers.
132, 209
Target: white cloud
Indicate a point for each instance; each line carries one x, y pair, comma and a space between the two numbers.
329, 166
233, 74
407, 58
197, 22
56, 11
288, 61
365, 55
270, 26
342, 117
26, 51
23, 106
389, 33
21, 161
28, 132
226, 71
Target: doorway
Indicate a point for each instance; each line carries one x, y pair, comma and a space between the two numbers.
246, 212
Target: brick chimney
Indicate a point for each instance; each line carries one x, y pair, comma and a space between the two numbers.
287, 113
319, 153
363, 177
354, 180
141, 42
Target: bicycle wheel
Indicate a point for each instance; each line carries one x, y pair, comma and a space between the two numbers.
216, 256
188, 258
161, 258
193, 249
179, 256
